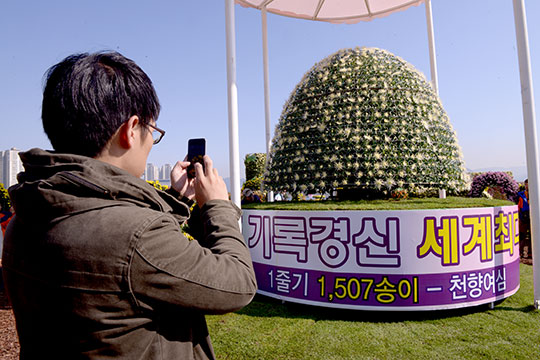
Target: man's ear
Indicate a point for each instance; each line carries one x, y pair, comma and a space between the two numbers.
128, 132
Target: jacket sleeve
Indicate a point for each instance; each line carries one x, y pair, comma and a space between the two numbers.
214, 275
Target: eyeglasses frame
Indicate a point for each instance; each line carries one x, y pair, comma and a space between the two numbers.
162, 132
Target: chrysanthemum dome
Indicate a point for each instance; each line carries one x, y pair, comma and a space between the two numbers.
368, 119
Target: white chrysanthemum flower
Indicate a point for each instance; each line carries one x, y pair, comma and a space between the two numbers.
403, 89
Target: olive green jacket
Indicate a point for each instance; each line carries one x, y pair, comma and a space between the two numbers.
96, 264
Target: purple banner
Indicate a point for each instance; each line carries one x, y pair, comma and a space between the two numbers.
386, 260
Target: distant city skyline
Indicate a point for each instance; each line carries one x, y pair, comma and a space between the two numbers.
10, 166
158, 173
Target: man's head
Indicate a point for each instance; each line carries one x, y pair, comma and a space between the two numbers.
248, 194
88, 97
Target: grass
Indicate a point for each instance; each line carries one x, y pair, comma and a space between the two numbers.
406, 204
268, 329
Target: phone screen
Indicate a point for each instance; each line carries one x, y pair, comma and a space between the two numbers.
196, 151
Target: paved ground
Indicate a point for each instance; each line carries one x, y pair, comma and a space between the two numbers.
9, 343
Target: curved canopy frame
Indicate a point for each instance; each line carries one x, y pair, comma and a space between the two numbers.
341, 11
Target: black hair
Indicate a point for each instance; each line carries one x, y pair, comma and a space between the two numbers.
87, 97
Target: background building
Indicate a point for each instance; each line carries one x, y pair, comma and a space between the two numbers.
161, 174
151, 173
10, 166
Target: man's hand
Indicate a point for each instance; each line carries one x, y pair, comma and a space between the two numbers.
208, 184
180, 181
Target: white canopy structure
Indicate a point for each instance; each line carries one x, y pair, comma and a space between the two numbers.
353, 11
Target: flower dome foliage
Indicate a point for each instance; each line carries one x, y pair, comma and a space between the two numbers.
368, 119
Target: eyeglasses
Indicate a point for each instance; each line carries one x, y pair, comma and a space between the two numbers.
158, 135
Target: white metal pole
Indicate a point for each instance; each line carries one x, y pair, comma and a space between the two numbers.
433, 62
232, 99
531, 145
431, 42
266, 79
266, 88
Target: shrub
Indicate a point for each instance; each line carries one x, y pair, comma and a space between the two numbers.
253, 184
501, 181
399, 194
157, 185
254, 164
5, 201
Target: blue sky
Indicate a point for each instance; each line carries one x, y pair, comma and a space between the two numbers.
181, 46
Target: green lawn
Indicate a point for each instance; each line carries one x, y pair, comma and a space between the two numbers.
406, 204
268, 329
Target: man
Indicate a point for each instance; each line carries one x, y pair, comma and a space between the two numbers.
524, 222
95, 262
250, 197
5, 218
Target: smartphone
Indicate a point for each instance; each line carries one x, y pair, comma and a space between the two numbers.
196, 151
